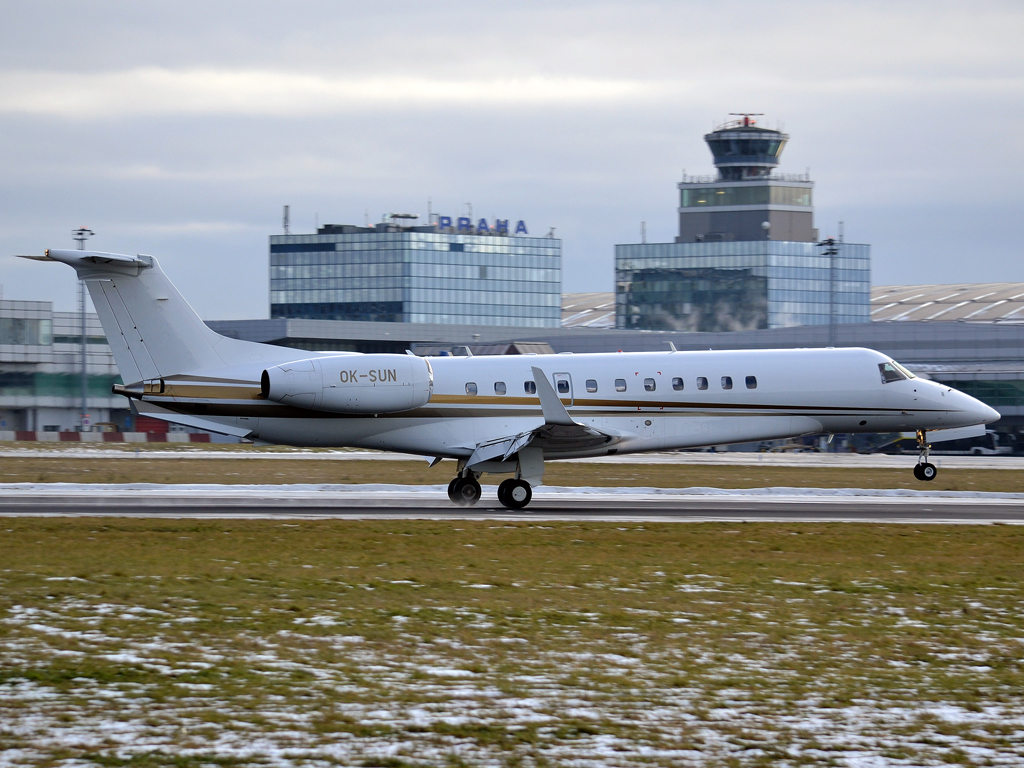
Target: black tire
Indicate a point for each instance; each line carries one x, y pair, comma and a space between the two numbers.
503, 490
517, 495
917, 472
928, 472
451, 490
466, 491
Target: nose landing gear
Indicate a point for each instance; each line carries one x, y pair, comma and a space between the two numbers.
924, 470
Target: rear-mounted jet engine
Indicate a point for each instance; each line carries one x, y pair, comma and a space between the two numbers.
351, 383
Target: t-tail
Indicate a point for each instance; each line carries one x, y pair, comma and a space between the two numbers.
151, 329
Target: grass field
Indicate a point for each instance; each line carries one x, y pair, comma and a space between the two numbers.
187, 643
14, 469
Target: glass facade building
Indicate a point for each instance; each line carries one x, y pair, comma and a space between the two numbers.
422, 276
739, 285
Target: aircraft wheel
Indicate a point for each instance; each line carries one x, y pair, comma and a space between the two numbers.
928, 472
917, 472
517, 494
502, 490
451, 489
465, 491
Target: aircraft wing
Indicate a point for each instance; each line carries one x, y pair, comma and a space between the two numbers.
560, 433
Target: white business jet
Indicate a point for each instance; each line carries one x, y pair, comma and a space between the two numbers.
496, 414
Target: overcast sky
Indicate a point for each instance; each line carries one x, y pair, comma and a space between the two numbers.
181, 129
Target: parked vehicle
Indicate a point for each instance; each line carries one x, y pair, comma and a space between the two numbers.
789, 446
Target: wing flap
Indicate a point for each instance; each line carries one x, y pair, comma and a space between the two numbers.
553, 439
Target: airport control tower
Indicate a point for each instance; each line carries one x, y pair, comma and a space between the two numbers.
747, 200
747, 254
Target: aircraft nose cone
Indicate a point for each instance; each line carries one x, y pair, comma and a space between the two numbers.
987, 413
977, 411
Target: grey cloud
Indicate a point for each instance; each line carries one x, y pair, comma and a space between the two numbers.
907, 114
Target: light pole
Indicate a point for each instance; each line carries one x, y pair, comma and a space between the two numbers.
80, 236
829, 244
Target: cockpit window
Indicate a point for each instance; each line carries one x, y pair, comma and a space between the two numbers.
903, 370
893, 371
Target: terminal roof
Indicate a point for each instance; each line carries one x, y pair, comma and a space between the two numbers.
967, 302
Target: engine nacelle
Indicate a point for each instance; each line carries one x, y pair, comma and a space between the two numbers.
351, 383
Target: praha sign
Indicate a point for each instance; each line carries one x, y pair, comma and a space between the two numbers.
464, 226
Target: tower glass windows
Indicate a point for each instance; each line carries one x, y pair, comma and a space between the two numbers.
748, 194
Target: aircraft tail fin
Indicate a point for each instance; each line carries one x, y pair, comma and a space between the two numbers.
151, 329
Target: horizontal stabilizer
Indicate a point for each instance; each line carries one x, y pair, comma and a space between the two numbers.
86, 262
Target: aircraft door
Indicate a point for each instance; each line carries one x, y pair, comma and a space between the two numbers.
563, 386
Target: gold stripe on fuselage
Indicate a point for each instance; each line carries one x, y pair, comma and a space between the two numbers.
467, 408
245, 390
213, 392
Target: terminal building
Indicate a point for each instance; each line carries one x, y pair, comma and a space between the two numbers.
450, 272
41, 371
976, 346
747, 255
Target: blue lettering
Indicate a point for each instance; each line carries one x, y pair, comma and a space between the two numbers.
444, 222
501, 226
465, 225
482, 228
521, 227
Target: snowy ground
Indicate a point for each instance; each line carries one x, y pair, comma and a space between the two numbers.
386, 644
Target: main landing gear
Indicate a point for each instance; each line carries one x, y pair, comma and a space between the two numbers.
924, 469
513, 493
464, 491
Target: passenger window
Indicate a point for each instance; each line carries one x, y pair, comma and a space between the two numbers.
650, 385
470, 387
499, 387
751, 382
530, 387
591, 385
620, 385
727, 382
563, 386
702, 382
677, 383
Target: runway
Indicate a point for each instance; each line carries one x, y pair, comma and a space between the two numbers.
693, 505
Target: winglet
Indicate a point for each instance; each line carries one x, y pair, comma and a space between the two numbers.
554, 411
